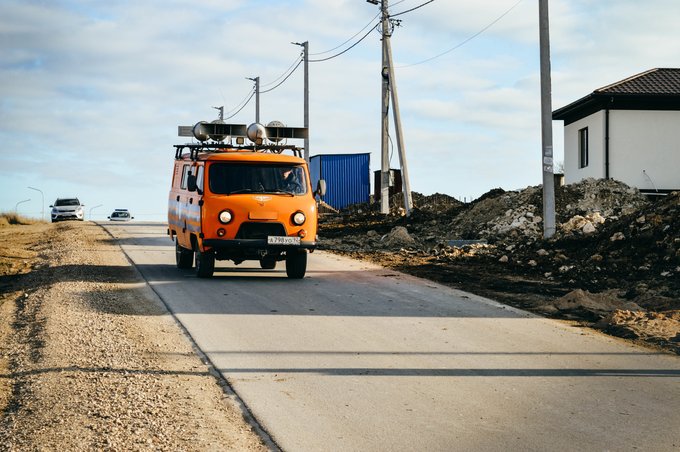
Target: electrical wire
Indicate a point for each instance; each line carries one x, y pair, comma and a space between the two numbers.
352, 37
242, 106
347, 49
242, 100
282, 75
466, 40
284, 80
412, 9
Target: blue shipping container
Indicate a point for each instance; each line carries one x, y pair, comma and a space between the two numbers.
347, 176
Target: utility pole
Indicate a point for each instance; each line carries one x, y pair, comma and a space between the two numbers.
389, 89
546, 123
257, 98
306, 65
385, 130
305, 53
406, 185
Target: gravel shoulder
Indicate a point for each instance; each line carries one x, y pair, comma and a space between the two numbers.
90, 359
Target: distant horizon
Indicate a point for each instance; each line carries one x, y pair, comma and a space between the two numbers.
93, 94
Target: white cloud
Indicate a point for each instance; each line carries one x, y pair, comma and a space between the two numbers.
97, 89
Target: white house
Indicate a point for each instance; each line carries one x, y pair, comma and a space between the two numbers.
628, 131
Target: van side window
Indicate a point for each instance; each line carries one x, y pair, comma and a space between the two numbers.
185, 173
199, 177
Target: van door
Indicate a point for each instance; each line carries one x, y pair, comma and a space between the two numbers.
188, 209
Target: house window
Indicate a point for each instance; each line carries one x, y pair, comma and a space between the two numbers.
583, 147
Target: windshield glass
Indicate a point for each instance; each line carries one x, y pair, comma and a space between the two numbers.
120, 214
67, 202
233, 178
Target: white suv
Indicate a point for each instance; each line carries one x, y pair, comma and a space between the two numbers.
67, 209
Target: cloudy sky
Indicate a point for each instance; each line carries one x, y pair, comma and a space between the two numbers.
92, 92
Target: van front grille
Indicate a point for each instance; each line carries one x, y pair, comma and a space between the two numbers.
260, 230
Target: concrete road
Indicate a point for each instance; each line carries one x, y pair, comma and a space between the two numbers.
357, 357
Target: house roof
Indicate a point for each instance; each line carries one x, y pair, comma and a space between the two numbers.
655, 89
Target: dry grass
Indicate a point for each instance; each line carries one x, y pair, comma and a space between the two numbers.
11, 219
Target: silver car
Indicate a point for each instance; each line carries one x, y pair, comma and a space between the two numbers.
120, 215
67, 209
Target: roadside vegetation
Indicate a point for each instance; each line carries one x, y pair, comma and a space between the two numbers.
12, 219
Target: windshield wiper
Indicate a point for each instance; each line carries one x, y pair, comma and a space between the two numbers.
282, 192
243, 190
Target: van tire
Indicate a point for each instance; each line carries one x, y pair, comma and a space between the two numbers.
205, 264
296, 264
183, 257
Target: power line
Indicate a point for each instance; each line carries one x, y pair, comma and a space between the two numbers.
349, 39
347, 49
412, 9
242, 106
466, 40
284, 80
355, 34
284, 73
242, 100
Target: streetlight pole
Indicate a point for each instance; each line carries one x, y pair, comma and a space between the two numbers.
16, 208
42, 206
92, 208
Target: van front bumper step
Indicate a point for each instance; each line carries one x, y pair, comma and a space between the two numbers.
252, 243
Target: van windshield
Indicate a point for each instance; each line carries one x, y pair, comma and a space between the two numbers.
233, 178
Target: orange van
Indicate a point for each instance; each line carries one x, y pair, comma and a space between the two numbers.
241, 201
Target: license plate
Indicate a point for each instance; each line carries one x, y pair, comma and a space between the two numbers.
276, 240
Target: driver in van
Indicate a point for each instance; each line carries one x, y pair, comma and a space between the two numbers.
290, 182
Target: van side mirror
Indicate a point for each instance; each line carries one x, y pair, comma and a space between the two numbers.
191, 183
321, 188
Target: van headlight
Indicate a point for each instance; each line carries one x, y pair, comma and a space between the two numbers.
299, 218
225, 217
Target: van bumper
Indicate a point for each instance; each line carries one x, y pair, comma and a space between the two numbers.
220, 244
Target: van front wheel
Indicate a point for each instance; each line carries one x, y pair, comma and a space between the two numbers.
296, 264
183, 257
205, 264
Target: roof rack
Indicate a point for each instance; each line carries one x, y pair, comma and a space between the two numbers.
195, 149
263, 138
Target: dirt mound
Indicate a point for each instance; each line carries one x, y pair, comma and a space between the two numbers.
662, 328
584, 304
639, 251
581, 208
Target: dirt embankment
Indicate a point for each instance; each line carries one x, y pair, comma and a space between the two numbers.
613, 264
90, 360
